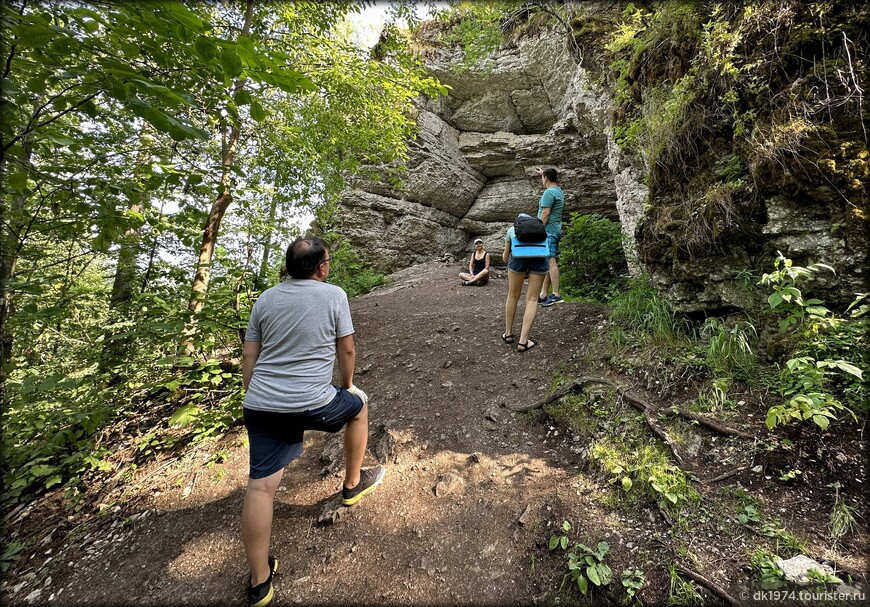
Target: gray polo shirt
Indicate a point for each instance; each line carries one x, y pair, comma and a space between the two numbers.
297, 323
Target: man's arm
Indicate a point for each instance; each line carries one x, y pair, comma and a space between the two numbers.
250, 354
545, 214
346, 352
507, 251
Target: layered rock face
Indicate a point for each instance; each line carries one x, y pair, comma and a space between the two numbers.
472, 166
472, 170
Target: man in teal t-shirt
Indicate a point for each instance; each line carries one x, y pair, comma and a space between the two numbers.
550, 212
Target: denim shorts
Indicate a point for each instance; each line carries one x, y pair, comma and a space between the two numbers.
553, 243
275, 438
532, 265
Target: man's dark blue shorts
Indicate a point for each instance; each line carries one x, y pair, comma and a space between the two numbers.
275, 439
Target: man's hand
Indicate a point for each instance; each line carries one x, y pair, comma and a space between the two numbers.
357, 392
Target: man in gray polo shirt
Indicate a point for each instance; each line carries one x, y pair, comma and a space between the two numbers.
296, 332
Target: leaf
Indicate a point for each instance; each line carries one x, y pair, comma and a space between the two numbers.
185, 16
18, 181
42, 470
842, 365
626, 483
563, 542
554, 541
231, 63
242, 97
582, 584
774, 300
54, 480
821, 421
61, 141
258, 114
605, 573
184, 416
592, 574
32, 35
817, 310
205, 48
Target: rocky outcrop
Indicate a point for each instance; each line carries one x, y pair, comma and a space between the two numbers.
472, 166
535, 103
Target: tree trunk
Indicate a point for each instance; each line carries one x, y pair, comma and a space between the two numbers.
10, 244
260, 281
229, 147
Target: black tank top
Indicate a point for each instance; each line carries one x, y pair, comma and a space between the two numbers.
479, 264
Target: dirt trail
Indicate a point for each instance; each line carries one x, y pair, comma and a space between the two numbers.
469, 489
472, 492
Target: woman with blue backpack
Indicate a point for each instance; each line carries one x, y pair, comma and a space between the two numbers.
525, 253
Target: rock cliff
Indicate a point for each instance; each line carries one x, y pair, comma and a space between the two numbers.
539, 102
472, 165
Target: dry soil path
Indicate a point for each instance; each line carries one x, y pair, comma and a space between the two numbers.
470, 489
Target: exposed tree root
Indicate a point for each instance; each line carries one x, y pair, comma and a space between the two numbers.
710, 585
710, 423
728, 474
649, 411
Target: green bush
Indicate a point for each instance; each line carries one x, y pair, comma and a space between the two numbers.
592, 261
350, 273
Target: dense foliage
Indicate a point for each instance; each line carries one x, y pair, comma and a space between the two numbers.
730, 104
592, 261
156, 160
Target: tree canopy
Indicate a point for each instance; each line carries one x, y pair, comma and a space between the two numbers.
156, 158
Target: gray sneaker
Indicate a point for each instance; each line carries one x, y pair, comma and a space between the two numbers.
368, 480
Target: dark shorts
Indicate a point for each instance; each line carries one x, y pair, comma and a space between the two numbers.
275, 439
553, 243
532, 265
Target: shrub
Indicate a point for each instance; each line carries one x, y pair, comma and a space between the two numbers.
350, 273
592, 261
817, 387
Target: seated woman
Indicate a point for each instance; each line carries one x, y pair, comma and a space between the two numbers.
478, 267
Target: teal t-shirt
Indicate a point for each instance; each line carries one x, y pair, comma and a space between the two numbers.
552, 198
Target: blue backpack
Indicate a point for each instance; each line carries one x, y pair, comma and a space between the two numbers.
529, 249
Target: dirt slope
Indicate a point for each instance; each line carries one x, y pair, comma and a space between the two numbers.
471, 495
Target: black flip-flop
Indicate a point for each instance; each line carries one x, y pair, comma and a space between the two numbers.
508, 339
526, 347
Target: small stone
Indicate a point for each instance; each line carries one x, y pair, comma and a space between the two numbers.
796, 569
525, 517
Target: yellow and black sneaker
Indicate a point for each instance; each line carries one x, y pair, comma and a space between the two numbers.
368, 480
262, 594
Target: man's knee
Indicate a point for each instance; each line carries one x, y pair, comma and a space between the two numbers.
363, 413
267, 485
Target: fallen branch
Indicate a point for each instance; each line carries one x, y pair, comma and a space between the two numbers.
710, 585
728, 474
